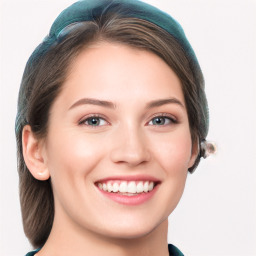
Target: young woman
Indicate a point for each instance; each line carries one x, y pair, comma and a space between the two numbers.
112, 115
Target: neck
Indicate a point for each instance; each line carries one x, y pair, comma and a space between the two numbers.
69, 239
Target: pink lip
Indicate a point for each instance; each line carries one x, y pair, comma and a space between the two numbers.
130, 200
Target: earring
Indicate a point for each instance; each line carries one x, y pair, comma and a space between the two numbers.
207, 148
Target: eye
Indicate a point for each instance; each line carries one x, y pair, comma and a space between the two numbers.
93, 121
162, 120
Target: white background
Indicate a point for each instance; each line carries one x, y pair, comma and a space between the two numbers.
217, 214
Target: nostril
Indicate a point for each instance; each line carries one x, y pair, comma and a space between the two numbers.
131, 157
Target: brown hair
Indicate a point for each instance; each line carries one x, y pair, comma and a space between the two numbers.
42, 81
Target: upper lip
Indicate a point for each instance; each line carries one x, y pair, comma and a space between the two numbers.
129, 178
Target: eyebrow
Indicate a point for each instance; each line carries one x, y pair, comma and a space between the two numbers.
90, 101
109, 104
161, 102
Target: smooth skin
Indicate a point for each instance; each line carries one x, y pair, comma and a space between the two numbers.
141, 128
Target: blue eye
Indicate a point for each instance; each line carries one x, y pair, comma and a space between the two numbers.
161, 120
94, 121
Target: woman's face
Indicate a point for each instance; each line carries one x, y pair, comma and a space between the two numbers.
118, 127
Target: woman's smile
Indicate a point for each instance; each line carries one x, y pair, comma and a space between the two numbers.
130, 190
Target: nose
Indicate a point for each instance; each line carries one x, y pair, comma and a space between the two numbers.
130, 148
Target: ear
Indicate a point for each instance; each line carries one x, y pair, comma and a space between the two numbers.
194, 154
33, 153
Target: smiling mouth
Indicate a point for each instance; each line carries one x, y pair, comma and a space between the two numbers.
127, 188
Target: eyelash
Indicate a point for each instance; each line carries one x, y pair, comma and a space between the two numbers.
90, 117
166, 116
97, 116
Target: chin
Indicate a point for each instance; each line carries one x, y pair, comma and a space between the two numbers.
132, 230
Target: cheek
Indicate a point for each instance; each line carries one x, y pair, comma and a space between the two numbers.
71, 156
173, 152
173, 155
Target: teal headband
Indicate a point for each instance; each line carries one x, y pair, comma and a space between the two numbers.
87, 10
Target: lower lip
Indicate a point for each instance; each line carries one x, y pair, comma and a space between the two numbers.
137, 199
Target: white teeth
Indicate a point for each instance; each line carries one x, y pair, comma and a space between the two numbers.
150, 186
104, 187
109, 186
140, 187
123, 187
146, 186
115, 187
131, 187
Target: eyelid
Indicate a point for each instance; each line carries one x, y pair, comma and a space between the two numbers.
84, 118
170, 116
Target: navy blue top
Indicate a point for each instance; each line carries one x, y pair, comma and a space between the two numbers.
173, 251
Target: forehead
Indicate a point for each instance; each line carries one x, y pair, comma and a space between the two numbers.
118, 72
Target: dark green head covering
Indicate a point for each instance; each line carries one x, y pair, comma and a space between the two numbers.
87, 10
